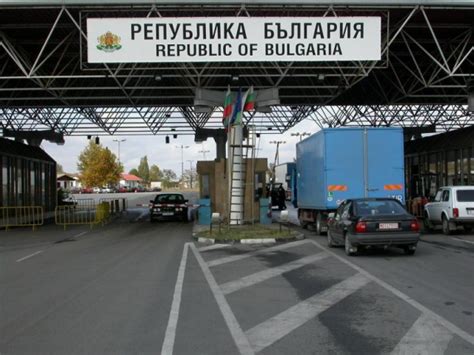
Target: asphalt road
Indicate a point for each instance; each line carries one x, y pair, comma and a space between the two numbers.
133, 287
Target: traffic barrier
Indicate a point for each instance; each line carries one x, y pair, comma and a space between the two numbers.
74, 215
21, 216
117, 205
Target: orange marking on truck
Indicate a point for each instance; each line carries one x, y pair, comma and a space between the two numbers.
392, 187
337, 187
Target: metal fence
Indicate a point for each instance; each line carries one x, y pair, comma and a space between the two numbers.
81, 214
21, 216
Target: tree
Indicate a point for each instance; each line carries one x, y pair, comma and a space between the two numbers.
144, 170
168, 176
155, 173
98, 166
190, 177
133, 172
59, 169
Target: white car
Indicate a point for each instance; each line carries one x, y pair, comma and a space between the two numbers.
453, 206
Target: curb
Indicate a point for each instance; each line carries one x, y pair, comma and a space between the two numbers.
209, 241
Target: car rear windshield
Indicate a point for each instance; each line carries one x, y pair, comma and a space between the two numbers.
378, 207
171, 198
465, 195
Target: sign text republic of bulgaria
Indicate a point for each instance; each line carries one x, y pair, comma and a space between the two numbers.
233, 39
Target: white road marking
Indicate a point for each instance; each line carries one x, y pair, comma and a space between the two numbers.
29, 256
143, 214
234, 327
233, 258
266, 274
170, 335
426, 336
215, 246
443, 321
463, 240
275, 328
79, 235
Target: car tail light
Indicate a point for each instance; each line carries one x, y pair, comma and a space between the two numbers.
361, 227
455, 212
415, 226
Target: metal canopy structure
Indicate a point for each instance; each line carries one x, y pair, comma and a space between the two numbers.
424, 77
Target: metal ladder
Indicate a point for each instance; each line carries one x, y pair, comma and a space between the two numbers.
238, 156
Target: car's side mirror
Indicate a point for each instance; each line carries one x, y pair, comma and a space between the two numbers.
151, 201
186, 201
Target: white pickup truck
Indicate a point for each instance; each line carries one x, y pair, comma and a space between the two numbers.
453, 206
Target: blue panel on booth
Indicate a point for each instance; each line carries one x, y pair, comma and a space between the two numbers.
204, 211
265, 211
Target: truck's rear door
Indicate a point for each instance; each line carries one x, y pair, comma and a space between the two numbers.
384, 166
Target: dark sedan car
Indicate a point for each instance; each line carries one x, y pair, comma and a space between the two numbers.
373, 222
172, 206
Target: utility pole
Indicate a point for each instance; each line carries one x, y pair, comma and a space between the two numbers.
204, 153
119, 141
301, 135
277, 157
190, 173
182, 147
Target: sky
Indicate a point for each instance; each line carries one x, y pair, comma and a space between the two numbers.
168, 156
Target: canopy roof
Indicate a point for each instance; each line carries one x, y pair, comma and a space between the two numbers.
46, 82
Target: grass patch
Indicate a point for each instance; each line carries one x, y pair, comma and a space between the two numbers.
247, 232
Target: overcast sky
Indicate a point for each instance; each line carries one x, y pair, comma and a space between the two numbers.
168, 156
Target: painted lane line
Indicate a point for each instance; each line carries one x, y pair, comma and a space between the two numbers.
275, 328
463, 240
261, 276
426, 336
233, 258
236, 331
79, 235
29, 256
443, 321
170, 335
212, 247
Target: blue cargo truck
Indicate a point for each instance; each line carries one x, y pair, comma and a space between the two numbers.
336, 164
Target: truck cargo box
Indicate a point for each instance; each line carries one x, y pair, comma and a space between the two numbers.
336, 164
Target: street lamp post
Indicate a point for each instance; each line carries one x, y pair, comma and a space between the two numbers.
190, 173
119, 141
277, 157
182, 147
204, 153
301, 135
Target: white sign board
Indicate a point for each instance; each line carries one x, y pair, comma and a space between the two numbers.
233, 39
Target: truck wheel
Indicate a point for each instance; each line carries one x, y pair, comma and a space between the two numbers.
319, 224
348, 247
446, 227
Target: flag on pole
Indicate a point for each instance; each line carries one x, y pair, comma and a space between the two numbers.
227, 108
249, 100
237, 111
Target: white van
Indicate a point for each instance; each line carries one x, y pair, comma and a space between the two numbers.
453, 206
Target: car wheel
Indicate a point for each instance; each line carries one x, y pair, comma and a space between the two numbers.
468, 229
330, 240
319, 225
348, 247
446, 227
408, 251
